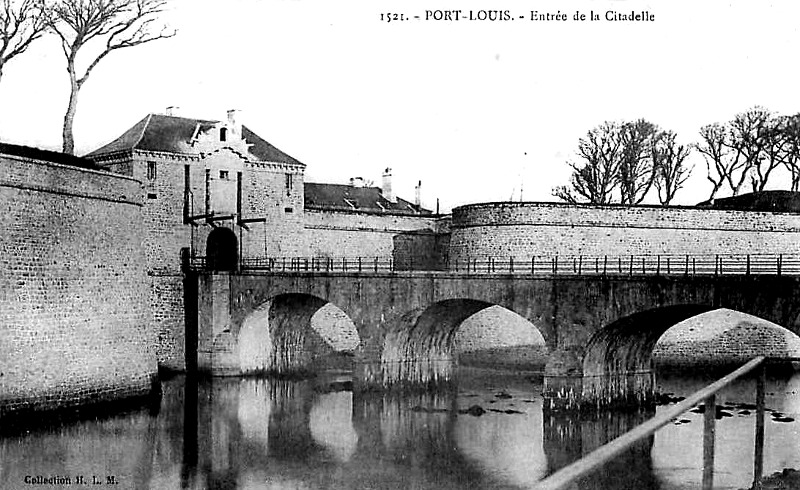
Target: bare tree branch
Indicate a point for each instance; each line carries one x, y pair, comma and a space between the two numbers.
594, 178
669, 162
637, 171
791, 153
21, 23
113, 24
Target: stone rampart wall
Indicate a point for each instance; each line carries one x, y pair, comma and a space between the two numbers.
342, 234
526, 229
73, 287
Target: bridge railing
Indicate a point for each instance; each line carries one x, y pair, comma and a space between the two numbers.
569, 475
548, 265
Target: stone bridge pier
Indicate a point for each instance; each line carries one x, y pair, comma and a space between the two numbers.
600, 331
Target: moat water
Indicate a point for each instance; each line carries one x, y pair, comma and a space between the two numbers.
267, 434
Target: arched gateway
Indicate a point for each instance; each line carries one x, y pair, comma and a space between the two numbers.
222, 250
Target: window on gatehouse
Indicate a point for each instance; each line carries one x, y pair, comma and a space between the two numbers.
151, 171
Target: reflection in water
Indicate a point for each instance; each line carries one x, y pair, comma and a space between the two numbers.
261, 433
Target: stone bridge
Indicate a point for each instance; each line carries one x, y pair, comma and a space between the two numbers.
600, 330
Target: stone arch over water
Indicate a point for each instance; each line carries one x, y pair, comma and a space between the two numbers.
294, 334
618, 360
723, 338
421, 350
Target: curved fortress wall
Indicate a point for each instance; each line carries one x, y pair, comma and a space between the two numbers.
73, 287
526, 229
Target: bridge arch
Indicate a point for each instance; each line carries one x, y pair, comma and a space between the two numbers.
618, 359
295, 334
421, 349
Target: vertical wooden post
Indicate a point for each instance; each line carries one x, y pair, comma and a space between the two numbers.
511, 265
758, 460
709, 433
748, 264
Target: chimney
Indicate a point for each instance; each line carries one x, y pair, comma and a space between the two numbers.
172, 110
417, 199
234, 125
386, 188
356, 182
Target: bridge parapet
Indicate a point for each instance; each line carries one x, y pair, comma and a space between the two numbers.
606, 265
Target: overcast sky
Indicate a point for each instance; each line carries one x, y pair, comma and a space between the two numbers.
475, 110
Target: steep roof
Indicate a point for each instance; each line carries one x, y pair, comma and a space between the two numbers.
46, 156
777, 201
172, 134
341, 197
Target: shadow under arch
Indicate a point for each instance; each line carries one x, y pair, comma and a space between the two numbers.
617, 366
295, 335
420, 350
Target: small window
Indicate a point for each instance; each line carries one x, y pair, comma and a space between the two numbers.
151, 196
223, 134
151, 171
289, 184
288, 210
223, 175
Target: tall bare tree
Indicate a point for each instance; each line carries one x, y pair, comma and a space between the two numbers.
749, 136
791, 156
636, 170
776, 144
108, 24
594, 177
21, 23
669, 161
721, 161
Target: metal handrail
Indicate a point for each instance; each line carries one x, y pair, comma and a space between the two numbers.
597, 458
567, 265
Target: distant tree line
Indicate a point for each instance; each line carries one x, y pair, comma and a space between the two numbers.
625, 162
88, 30
747, 149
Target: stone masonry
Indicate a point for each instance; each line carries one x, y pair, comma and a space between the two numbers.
73, 287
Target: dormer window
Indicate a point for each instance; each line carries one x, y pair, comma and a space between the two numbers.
223, 134
223, 175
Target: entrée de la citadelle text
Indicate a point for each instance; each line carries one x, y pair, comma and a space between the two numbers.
533, 15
